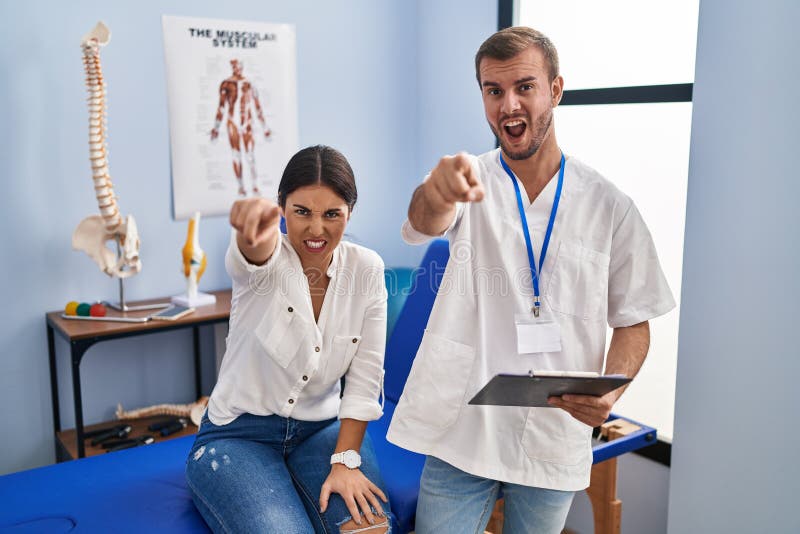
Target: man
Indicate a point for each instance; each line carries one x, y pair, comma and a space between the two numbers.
238, 97
512, 303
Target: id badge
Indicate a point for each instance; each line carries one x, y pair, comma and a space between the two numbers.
537, 334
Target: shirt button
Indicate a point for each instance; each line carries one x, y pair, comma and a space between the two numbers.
316, 349
291, 309
305, 378
355, 340
291, 401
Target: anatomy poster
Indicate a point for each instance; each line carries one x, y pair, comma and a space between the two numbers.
232, 96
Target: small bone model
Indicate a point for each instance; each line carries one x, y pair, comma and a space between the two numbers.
193, 411
95, 231
194, 258
194, 265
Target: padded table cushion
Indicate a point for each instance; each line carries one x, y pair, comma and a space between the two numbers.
401, 348
135, 490
144, 490
400, 469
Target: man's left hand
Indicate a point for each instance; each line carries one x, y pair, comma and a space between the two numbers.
587, 409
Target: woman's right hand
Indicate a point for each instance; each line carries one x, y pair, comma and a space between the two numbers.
256, 223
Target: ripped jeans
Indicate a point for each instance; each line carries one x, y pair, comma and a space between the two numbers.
265, 474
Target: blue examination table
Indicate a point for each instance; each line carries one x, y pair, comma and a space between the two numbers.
144, 490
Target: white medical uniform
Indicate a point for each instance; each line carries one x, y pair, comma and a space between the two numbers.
601, 269
279, 360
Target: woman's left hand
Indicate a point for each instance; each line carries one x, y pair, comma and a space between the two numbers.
356, 490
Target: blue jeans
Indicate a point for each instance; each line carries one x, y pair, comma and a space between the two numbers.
265, 474
452, 501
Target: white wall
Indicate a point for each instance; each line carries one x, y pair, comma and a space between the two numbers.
449, 104
734, 455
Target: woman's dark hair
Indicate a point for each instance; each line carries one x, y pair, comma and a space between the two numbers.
319, 164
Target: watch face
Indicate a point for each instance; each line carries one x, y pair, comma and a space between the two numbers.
352, 459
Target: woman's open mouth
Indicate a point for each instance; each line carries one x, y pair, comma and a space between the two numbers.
315, 246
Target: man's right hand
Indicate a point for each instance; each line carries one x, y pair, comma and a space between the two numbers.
433, 205
256, 223
451, 181
214, 133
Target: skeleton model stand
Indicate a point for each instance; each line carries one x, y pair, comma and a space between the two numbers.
194, 265
95, 231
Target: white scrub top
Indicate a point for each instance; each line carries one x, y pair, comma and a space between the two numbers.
601, 270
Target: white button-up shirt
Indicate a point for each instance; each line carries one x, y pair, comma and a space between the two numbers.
279, 360
601, 269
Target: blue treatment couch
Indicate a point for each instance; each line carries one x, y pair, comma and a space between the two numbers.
401, 469
143, 489
135, 490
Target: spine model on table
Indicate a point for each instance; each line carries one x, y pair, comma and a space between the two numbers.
95, 231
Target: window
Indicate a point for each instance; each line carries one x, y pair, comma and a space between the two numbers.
628, 68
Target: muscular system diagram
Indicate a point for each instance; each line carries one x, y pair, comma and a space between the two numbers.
238, 103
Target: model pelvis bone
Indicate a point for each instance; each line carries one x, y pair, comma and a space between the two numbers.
91, 237
94, 232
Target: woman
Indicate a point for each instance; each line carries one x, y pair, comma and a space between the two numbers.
307, 309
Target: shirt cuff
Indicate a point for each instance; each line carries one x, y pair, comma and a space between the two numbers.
633, 317
242, 261
412, 236
360, 408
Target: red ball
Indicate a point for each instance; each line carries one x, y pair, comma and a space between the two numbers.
97, 310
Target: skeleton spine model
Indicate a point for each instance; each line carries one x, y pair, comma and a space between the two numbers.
194, 411
95, 231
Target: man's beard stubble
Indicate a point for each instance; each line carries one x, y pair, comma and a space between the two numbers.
540, 129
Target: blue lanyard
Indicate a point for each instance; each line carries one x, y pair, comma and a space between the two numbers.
527, 233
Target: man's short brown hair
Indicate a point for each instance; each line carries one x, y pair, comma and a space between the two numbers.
509, 42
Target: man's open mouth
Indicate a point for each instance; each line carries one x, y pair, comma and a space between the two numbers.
515, 128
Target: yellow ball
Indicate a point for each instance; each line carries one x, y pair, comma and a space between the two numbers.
71, 308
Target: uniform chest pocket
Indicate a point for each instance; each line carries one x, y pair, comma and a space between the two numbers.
343, 350
579, 282
281, 331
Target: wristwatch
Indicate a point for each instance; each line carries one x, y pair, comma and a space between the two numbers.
350, 458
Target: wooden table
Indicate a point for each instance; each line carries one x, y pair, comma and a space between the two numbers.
83, 334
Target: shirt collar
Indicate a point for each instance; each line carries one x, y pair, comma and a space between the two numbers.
333, 267
547, 195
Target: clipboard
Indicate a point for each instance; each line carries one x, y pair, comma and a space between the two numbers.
533, 390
